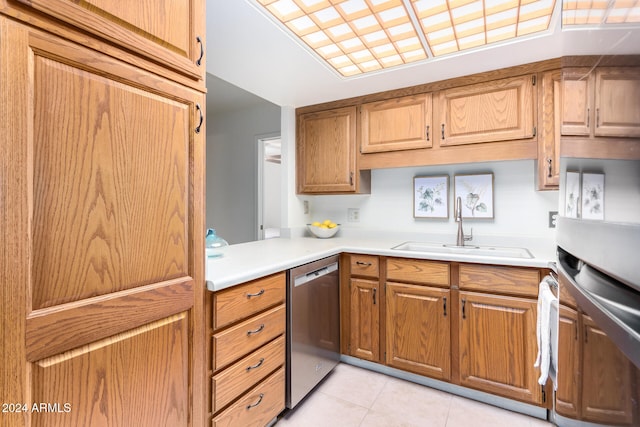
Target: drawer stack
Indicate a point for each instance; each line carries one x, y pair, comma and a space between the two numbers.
248, 352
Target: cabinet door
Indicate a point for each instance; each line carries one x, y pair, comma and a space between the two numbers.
418, 329
498, 110
617, 106
396, 124
498, 345
568, 363
326, 151
165, 31
606, 379
365, 320
102, 212
577, 101
549, 130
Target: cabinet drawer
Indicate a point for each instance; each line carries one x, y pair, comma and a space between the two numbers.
238, 302
492, 279
233, 343
258, 406
418, 271
241, 376
364, 265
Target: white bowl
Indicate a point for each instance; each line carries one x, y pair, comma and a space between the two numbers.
323, 233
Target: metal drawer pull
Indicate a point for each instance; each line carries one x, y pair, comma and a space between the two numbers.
374, 295
444, 304
199, 60
197, 129
257, 403
256, 294
255, 331
549, 161
257, 365
464, 301
366, 264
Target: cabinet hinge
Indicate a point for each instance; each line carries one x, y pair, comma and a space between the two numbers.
533, 80
535, 130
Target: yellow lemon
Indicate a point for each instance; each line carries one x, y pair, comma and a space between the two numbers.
326, 222
315, 224
333, 225
324, 226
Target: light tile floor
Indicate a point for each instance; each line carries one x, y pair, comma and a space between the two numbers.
356, 397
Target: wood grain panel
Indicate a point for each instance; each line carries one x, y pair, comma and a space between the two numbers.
237, 341
246, 373
498, 345
115, 383
99, 173
396, 124
418, 271
577, 101
258, 407
164, 31
57, 329
496, 279
326, 145
365, 319
238, 302
569, 366
549, 118
365, 265
616, 102
493, 111
418, 329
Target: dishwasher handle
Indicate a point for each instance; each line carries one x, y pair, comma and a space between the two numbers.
315, 274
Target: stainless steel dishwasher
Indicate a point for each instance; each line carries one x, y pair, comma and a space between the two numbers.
313, 326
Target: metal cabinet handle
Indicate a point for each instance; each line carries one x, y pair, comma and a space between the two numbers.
427, 132
549, 160
443, 131
256, 331
444, 306
366, 264
199, 60
257, 403
197, 130
588, 116
350, 178
464, 302
257, 294
374, 295
597, 117
257, 365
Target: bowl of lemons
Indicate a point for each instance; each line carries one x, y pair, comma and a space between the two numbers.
324, 229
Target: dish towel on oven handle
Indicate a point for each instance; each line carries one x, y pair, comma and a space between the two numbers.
547, 333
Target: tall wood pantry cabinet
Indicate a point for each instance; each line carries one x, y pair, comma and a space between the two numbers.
101, 213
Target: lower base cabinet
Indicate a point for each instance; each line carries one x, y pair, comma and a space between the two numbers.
258, 406
418, 329
498, 345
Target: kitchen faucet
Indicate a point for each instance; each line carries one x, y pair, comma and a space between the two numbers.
458, 217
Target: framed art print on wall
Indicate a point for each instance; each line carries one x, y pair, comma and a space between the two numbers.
431, 196
476, 194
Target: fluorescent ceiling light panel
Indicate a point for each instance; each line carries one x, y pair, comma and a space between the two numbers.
358, 36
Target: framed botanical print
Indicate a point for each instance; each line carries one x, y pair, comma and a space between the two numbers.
476, 194
431, 196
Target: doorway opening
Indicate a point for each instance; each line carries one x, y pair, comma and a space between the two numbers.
269, 186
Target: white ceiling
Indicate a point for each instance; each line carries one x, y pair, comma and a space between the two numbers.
247, 49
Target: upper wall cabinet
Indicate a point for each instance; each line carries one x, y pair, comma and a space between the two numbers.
603, 103
498, 110
168, 32
549, 110
396, 124
326, 152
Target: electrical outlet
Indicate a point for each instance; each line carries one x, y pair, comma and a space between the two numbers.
305, 205
353, 215
553, 218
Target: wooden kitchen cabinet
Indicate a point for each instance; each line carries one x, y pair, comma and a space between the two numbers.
365, 319
396, 124
569, 342
248, 352
549, 123
103, 176
326, 153
601, 102
607, 379
498, 110
167, 32
418, 329
497, 345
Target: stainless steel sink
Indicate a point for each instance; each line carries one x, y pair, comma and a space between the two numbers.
439, 248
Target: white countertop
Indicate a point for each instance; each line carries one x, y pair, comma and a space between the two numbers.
247, 261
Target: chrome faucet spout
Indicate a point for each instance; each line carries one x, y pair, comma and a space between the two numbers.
461, 238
